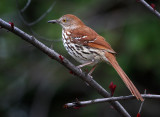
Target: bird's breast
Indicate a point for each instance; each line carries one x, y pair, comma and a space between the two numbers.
81, 53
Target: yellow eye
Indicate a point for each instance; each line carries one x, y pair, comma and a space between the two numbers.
64, 20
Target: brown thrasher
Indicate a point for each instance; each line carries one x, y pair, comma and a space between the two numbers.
89, 48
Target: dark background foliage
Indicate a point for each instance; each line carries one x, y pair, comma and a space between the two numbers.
33, 85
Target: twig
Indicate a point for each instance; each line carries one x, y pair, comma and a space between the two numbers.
39, 19
36, 21
43, 15
102, 100
54, 55
142, 103
26, 6
150, 8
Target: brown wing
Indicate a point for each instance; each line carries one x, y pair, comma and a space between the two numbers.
88, 37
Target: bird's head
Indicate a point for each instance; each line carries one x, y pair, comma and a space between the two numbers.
68, 21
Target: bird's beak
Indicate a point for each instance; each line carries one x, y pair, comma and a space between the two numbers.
53, 21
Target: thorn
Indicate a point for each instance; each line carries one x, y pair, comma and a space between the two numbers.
52, 46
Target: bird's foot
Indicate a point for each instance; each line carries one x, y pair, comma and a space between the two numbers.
87, 84
90, 75
79, 69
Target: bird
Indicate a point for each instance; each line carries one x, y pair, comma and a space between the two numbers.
89, 48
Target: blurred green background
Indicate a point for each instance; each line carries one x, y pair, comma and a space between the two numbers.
33, 85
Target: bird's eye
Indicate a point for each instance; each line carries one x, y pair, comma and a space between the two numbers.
64, 20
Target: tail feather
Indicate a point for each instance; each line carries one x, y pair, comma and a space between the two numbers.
112, 60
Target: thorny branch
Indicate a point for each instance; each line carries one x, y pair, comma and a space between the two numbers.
65, 62
150, 8
54, 55
102, 100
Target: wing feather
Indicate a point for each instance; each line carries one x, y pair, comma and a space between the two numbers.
88, 37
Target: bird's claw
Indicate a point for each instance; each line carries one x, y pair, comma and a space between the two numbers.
87, 84
79, 69
90, 75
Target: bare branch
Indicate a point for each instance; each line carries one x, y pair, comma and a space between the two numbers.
43, 15
26, 6
36, 21
39, 19
150, 8
54, 55
102, 100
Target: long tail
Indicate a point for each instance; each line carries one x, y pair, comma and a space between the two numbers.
112, 60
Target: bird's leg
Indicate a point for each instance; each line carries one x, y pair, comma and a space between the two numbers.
88, 63
93, 68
